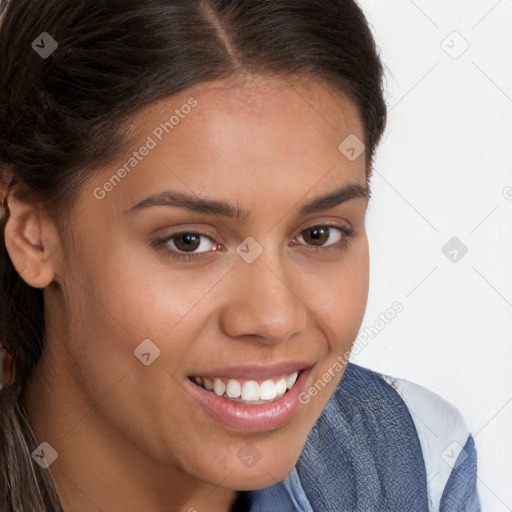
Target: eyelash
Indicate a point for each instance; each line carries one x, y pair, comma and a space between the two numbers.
162, 243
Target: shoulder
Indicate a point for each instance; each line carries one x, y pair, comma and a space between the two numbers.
446, 443
430, 412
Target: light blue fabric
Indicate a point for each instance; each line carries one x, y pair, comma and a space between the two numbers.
364, 455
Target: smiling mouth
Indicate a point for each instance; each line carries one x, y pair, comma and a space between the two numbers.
248, 391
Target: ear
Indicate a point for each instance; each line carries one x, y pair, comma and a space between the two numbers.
31, 241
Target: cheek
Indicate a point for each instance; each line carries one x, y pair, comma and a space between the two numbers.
340, 309
107, 315
117, 299
339, 296
353, 293
100, 344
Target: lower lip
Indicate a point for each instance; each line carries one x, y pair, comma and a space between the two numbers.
247, 417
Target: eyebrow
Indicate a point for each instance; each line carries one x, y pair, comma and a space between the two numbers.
188, 201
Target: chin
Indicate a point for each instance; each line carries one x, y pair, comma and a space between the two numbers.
254, 479
238, 476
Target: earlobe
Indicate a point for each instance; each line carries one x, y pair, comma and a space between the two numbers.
28, 240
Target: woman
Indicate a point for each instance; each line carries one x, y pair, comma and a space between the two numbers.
185, 266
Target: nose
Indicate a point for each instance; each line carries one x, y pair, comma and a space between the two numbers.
264, 301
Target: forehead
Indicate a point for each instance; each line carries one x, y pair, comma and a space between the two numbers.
269, 101
244, 136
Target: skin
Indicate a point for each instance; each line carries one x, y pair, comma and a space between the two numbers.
128, 436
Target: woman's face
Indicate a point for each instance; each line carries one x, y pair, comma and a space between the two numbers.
212, 256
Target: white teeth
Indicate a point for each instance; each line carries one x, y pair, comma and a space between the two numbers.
233, 388
291, 380
208, 384
218, 387
251, 391
281, 387
267, 390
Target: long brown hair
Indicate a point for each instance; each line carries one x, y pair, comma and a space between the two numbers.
62, 116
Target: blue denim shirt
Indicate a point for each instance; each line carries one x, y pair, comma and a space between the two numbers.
381, 444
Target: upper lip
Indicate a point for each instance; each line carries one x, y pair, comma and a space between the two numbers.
256, 371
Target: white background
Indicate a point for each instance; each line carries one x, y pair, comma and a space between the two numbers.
442, 171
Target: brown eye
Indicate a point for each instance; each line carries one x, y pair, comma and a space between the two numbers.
186, 244
187, 241
318, 236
